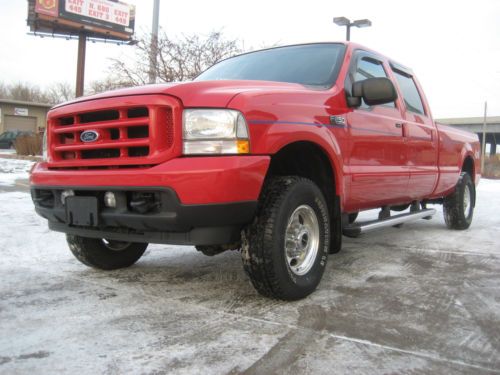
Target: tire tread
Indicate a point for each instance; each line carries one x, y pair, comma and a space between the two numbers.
452, 205
93, 253
257, 253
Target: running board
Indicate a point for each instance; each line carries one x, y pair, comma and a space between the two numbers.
357, 229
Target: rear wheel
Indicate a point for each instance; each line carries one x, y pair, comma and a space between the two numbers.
105, 254
285, 250
458, 207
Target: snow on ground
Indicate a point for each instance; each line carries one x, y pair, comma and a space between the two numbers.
416, 299
13, 169
8, 151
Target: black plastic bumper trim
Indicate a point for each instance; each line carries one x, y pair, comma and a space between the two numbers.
173, 222
196, 236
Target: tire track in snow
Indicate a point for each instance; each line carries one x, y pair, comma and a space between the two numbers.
290, 347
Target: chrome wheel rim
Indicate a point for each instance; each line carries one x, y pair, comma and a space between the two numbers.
115, 245
467, 200
302, 240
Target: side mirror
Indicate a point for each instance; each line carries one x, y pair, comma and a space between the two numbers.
374, 91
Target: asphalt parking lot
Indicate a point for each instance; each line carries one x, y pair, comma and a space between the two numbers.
416, 299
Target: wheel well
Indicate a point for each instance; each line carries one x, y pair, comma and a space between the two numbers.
468, 167
307, 160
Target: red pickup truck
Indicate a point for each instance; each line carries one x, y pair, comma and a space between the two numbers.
272, 152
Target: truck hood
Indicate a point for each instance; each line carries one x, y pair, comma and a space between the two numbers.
196, 94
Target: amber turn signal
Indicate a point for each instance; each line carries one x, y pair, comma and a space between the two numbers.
243, 146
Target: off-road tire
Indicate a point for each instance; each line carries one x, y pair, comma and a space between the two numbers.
263, 245
453, 205
96, 253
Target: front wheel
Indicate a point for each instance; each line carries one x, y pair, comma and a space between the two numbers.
105, 254
458, 207
285, 250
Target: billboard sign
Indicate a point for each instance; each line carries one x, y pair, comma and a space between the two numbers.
104, 13
110, 19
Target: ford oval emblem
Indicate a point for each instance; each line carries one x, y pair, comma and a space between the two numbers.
89, 136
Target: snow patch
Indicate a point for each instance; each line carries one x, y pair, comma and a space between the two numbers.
490, 186
13, 169
8, 152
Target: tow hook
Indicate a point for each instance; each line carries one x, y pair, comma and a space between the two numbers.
144, 204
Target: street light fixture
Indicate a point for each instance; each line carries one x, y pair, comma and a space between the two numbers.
342, 21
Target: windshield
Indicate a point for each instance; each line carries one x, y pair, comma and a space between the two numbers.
309, 64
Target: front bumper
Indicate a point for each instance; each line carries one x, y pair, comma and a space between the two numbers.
196, 201
195, 180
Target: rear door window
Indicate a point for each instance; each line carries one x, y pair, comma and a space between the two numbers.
411, 96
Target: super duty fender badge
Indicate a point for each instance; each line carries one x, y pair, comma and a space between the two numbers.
89, 136
337, 120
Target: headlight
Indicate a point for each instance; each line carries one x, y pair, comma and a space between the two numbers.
214, 131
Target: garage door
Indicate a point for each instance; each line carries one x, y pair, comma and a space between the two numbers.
24, 123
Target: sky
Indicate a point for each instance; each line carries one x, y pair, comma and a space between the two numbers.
452, 46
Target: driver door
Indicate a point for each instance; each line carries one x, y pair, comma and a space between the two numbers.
377, 156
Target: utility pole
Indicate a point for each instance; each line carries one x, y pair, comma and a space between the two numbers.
153, 58
483, 151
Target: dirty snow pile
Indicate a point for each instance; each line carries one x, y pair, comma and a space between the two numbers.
12, 170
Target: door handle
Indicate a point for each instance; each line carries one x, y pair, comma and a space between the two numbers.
402, 126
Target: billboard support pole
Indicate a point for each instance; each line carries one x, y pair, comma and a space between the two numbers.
80, 66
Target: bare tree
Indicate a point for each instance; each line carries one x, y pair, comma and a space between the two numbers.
178, 59
26, 92
60, 92
4, 92
110, 83
22, 91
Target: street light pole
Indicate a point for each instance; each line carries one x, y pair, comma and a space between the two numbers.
343, 21
153, 58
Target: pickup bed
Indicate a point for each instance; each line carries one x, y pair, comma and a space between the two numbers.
272, 153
